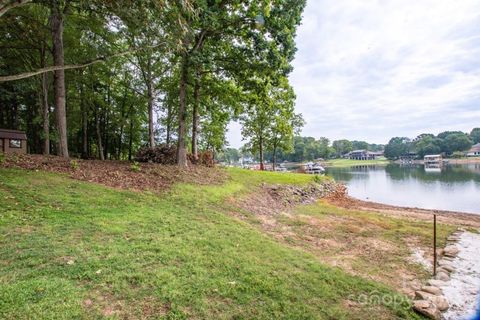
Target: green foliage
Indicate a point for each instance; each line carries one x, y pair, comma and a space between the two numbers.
427, 144
396, 147
173, 47
475, 135
457, 141
342, 147
318, 179
458, 155
2, 157
74, 164
135, 166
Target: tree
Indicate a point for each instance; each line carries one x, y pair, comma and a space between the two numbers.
457, 141
475, 135
58, 12
342, 147
360, 145
427, 144
396, 147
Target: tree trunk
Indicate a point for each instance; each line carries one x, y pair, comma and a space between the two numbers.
274, 158
122, 125
196, 105
46, 122
151, 134
130, 142
99, 137
262, 167
182, 115
84, 110
169, 124
59, 78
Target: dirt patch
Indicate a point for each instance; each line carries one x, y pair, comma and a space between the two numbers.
119, 174
359, 245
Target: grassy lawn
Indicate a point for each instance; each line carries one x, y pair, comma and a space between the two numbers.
75, 250
351, 163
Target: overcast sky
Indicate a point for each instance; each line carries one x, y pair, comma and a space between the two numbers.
374, 69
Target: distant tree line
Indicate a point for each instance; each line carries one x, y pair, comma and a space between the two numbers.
309, 149
304, 149
449, 143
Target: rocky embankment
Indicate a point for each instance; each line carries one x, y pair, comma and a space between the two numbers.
303, 194
453, 293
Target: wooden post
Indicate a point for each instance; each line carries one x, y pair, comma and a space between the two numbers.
434, 245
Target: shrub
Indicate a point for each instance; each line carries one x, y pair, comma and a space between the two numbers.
162, 154
2, 158
318, 179
135, 166
458, 155
74, 164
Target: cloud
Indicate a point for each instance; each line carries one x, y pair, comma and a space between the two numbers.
374, 69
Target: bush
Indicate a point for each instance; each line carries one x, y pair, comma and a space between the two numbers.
135, 166
162, 154
74, 164
458, 155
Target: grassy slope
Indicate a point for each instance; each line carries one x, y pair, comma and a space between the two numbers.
139, 255
349, 163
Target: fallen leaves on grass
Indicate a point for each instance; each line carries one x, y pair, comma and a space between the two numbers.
118, 174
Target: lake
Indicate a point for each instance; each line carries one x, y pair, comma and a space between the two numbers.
453, 187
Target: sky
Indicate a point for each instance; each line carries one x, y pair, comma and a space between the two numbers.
374, 69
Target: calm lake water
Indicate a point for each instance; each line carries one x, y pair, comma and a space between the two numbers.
454, 187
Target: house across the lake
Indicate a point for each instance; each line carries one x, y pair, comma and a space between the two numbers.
13, 141
474, 151
363, 155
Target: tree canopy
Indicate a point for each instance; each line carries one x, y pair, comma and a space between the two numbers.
104, 78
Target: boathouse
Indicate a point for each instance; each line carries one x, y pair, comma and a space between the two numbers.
13, 141
432, 159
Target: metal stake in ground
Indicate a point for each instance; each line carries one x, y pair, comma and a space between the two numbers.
434, 245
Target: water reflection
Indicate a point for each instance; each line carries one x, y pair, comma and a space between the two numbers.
450, 187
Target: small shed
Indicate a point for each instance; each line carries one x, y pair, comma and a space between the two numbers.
13, 141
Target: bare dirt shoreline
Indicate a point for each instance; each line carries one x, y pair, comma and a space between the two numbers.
443, 216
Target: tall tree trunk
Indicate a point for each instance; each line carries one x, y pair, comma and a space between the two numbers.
105, 134
169, 123
59, 78
99, 136
196, 105
262, 167
274, 158
130, 142
151, 133
122, 124
46, 122
182, 115
84, 126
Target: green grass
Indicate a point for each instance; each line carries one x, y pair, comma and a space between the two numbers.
351, 163
74, 250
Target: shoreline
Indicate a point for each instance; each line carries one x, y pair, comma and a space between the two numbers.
443, 216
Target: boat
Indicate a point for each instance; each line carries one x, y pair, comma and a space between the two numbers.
313, 168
